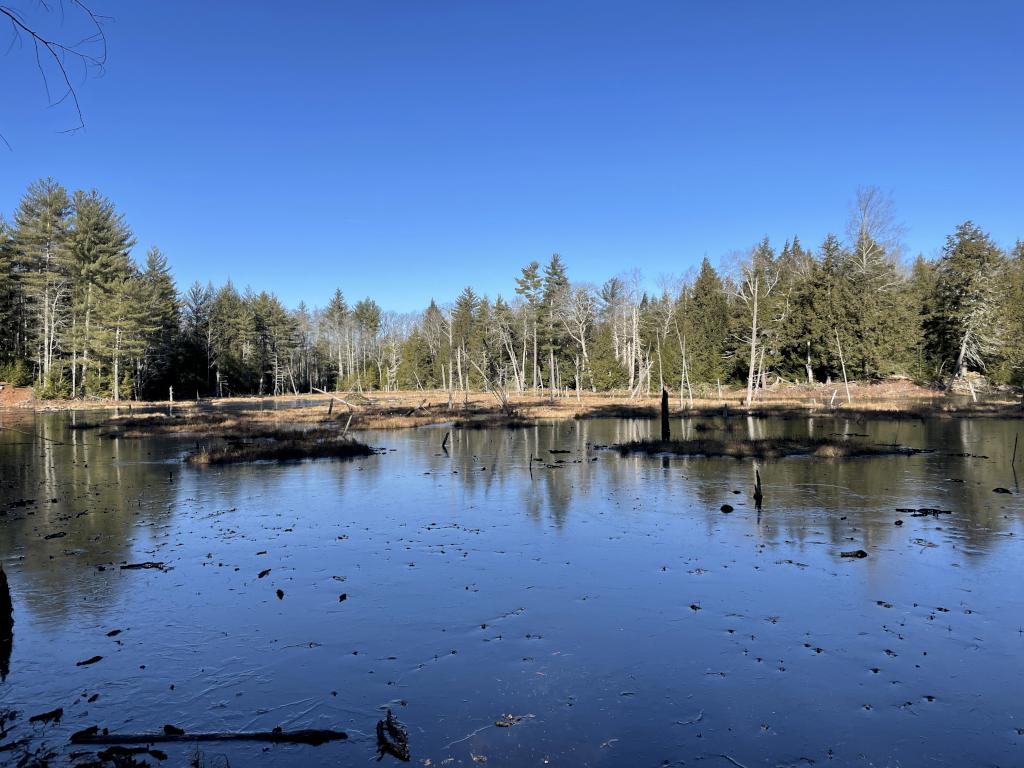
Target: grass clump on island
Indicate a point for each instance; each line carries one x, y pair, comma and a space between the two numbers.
283, 447
762, 448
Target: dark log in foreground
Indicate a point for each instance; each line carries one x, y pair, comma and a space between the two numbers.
6, 626
766, 448
311, 737
6, 606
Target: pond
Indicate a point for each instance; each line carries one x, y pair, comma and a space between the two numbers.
605, 603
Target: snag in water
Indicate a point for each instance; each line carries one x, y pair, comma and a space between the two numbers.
311, 737
54, 715
392, 738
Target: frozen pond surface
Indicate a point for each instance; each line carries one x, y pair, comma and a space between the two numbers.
606, 600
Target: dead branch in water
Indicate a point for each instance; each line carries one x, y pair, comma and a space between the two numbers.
311, 737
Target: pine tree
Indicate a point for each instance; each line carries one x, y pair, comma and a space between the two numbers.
231, 330
366, 316
122, 324
529, 287
463, 322
968, 325
337, 319
707, 322
1012, 310
98, 246
12, 306
195, 353
555, 291
161, 337
41, 227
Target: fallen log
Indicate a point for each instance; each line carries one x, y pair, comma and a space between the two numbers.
311, 737
410, 413
333, 397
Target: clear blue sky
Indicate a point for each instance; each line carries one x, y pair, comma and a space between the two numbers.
404, 149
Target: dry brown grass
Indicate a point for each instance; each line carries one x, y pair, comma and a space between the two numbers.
252, 417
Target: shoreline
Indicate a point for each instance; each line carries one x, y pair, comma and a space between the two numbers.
410, 409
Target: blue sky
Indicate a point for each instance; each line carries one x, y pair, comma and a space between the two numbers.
404, 149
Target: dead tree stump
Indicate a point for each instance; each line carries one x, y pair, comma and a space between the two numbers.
666, 432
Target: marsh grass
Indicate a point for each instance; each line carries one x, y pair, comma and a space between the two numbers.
256, 418
294, 447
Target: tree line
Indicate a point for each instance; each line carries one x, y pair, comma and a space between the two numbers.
79, 318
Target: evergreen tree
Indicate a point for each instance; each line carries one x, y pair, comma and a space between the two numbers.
40, 237
555, 291
122, 324
529, 286
337, 319
1012, 310
707, 322
98, 246
12, 312
161, 339
196, 341
967, 323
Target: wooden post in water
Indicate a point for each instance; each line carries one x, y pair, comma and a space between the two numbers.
758, 496
665, 430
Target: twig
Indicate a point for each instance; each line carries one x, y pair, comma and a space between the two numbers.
697, 719
734, 762
34, 434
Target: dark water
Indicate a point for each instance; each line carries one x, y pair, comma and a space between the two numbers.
607, 601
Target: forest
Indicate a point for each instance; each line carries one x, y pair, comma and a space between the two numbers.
80, 318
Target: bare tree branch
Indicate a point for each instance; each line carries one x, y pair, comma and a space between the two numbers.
88, 52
